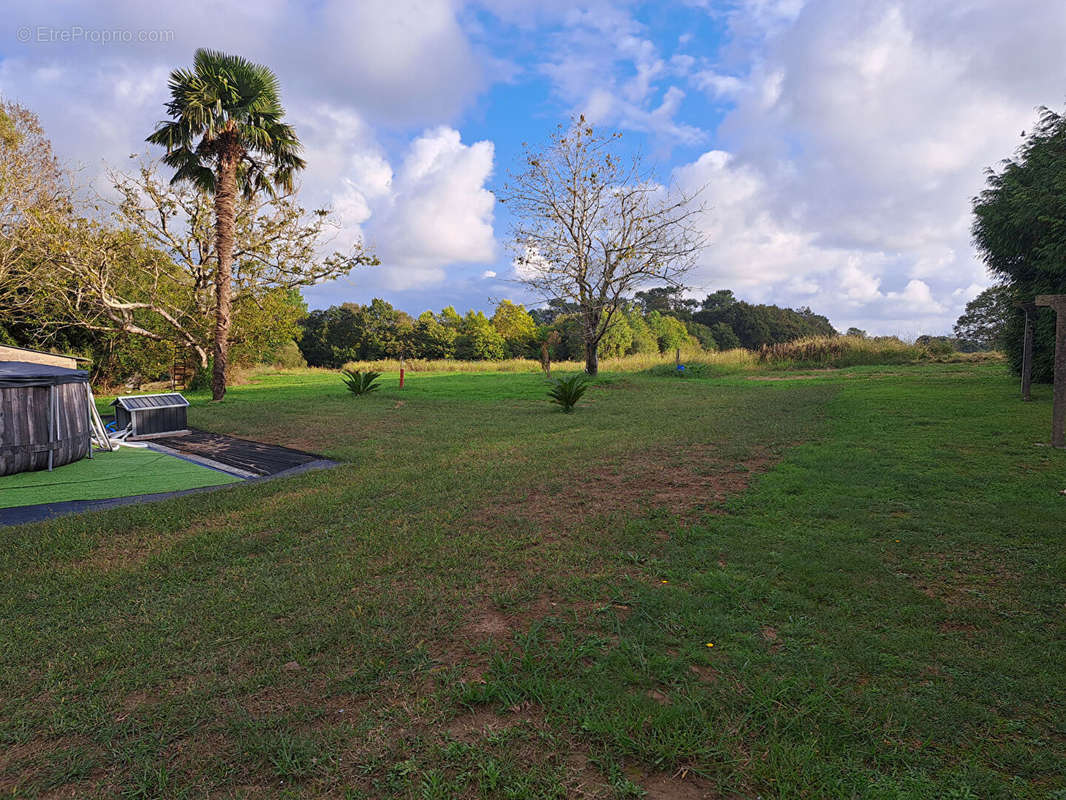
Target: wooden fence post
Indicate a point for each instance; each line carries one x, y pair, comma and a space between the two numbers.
1058, 411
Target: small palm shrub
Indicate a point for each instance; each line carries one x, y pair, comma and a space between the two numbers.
359, 382
567, 391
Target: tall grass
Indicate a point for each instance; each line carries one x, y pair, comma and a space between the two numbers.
854, 351
811, 353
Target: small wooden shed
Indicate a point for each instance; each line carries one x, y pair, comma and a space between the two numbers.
151, 414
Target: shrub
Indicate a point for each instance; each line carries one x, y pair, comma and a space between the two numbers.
841, 351
567, 391
936, 345
359, 382
288, 356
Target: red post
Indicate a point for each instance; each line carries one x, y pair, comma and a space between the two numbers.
401, 372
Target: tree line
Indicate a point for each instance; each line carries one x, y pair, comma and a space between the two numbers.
658, 320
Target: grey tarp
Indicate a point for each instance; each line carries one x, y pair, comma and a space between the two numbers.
23, 373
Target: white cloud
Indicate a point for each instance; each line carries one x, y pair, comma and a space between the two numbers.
860, 133
718, 85
404, 60
604, 64
438, 211
488, 274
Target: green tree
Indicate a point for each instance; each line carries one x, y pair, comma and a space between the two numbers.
1019, 229
757, 325
451, 318
667, 300
380, 331
432, 338
858, 333
31, 191
329, 337
702, 334
276, 248
478, 340
618, 338
518, 329
718, 302
644, 340
571, 338
983, 324
724, 336
226, 135
669, 332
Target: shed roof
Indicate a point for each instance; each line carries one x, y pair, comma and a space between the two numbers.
142, 402
25, 373
45, 352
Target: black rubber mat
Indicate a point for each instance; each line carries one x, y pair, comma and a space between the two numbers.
258, 458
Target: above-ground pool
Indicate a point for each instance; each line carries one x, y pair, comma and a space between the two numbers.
44, 416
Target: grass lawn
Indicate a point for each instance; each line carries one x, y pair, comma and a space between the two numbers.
123, 473
494, 599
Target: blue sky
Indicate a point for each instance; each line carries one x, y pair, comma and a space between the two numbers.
839, 141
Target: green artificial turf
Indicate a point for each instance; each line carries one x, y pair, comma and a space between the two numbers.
123, 473
493, 599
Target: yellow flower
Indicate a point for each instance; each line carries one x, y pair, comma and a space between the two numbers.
710, 644
664, 581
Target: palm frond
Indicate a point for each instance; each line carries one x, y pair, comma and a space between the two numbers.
220, 95
567, 391
359, 382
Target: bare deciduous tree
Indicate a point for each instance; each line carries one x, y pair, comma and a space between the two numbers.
591, 227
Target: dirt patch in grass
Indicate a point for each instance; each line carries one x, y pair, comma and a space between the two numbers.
490, 623
688, 481
490, 629
976, 579
772, 638
482, 722
681, 785
953, 626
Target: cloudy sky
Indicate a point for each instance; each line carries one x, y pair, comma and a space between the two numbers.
840, 141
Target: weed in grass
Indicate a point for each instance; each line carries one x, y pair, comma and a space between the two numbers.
152, 782
292, 757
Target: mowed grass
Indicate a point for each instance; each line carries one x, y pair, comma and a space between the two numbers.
494, 599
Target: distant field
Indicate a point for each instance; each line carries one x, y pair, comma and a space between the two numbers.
745, 582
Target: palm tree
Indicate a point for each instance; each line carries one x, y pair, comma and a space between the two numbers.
226, 135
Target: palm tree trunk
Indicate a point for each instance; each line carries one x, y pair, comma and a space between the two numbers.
225, 219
